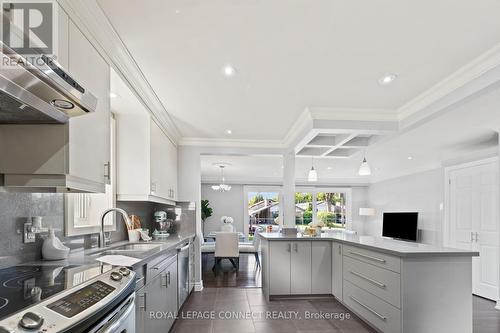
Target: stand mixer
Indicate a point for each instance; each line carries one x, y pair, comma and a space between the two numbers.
162, 225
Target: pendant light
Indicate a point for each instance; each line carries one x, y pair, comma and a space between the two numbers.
221, 187
364, 168
313, 175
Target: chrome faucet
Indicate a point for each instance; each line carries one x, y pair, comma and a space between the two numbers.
102, 238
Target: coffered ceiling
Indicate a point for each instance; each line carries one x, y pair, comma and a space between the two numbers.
288, 55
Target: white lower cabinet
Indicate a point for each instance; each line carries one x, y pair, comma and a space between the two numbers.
290, 264
379, 313
300, 268
321, 268
390, 292
337, 277
280, 268
159, 295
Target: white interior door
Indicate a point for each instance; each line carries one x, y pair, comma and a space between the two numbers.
474, 222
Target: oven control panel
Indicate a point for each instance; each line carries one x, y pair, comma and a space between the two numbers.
74, 305
82, 299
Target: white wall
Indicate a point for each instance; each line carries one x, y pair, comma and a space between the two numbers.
359, 200
189, 188
422, 192
224, 204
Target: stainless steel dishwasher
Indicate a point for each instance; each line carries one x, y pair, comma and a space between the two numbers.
183, 274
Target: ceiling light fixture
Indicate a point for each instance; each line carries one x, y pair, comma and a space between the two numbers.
364, 168
410, 157
221, 187
229, 71
113, 95
229, 131
313, 175
387, 78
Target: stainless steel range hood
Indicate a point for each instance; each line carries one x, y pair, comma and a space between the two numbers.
39, 92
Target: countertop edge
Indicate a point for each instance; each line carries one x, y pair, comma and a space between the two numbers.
435, 254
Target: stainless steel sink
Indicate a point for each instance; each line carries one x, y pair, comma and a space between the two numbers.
136, 247
118, 252
131, 250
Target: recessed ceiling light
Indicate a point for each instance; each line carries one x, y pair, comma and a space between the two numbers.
177, 11
229, 131
387, 78
410, 157
329, 168
113, 95
229, 70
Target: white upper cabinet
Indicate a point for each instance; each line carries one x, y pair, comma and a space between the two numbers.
89, 145
146, 160
163, 164
68, 157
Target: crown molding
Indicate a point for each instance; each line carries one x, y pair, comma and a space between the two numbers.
94, 24
278, 181
242, 143
475, 69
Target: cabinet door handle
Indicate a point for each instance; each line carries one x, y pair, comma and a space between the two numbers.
144, 304
471, 236
378, 284
289, 247
296, 247
368, 308
367, 256
477, 237
168, 276
340, 250
107, 170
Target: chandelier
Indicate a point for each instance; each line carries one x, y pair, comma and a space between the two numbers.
221, 187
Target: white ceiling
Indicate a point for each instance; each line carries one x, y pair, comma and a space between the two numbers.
291, 54
466, 132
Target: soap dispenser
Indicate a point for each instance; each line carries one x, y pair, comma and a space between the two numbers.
53, 248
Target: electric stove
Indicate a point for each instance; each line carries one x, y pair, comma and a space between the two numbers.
23, 286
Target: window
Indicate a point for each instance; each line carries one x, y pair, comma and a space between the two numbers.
328, 205
331, 209
263, 205
263, 209
303, 208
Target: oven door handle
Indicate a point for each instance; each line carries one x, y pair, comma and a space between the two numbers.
116, 322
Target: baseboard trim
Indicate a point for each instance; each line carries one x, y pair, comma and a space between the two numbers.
198, 286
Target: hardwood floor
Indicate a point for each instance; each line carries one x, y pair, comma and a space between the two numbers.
248, 275
485, 318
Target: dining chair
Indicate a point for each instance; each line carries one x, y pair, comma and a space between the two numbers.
226, 247
252, 247
206, 247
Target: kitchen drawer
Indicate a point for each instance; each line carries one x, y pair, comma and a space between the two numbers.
379, 313
383, 260
158, 265
381, 282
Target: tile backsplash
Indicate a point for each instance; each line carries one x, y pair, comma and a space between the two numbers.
18, 208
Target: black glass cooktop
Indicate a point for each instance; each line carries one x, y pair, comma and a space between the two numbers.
22, 286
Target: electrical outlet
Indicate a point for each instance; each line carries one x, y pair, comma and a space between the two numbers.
29, 236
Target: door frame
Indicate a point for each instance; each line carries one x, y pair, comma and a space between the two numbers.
447, 180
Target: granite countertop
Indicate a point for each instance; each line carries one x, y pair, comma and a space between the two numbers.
380, 244
89, 257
